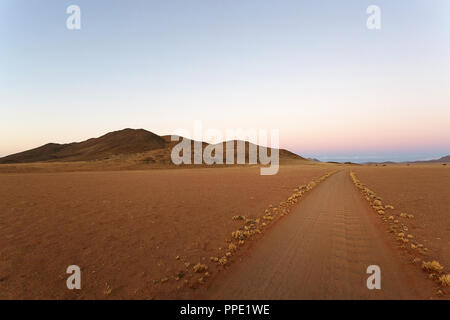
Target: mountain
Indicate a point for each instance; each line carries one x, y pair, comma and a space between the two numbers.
127, 141
133, 145
442, 159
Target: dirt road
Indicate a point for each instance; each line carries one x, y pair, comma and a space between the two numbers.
322, 251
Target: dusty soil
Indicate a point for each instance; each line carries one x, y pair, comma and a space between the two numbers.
420, 190
322, 251
127, 230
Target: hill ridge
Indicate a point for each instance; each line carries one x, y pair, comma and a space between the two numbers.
127, 141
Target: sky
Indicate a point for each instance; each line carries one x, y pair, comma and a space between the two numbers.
334, 89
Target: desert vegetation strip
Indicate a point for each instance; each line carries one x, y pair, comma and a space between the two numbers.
398, 225
198, 274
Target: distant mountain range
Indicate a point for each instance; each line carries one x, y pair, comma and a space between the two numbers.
443, 159
139, 145
142, 145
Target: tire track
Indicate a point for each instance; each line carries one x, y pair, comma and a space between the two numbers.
322, 251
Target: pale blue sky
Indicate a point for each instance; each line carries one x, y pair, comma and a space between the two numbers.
336, 90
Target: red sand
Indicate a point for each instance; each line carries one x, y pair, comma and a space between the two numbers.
125, 228
421, 190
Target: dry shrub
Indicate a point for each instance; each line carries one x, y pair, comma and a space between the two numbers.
445, 280
377, 203
200, 267
432, 266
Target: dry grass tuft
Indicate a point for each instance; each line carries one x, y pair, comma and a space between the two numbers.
107, 291
432, 266
238, 234
377, 203
445, 280
179, 275
200, 267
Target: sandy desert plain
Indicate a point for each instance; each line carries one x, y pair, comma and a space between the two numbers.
308, 232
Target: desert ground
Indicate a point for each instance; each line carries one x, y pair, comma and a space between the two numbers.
422, 192
213, 233
125, 229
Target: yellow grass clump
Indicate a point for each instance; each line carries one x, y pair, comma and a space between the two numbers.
377, 203
238, 234
432, 266
200, 267
445, 280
